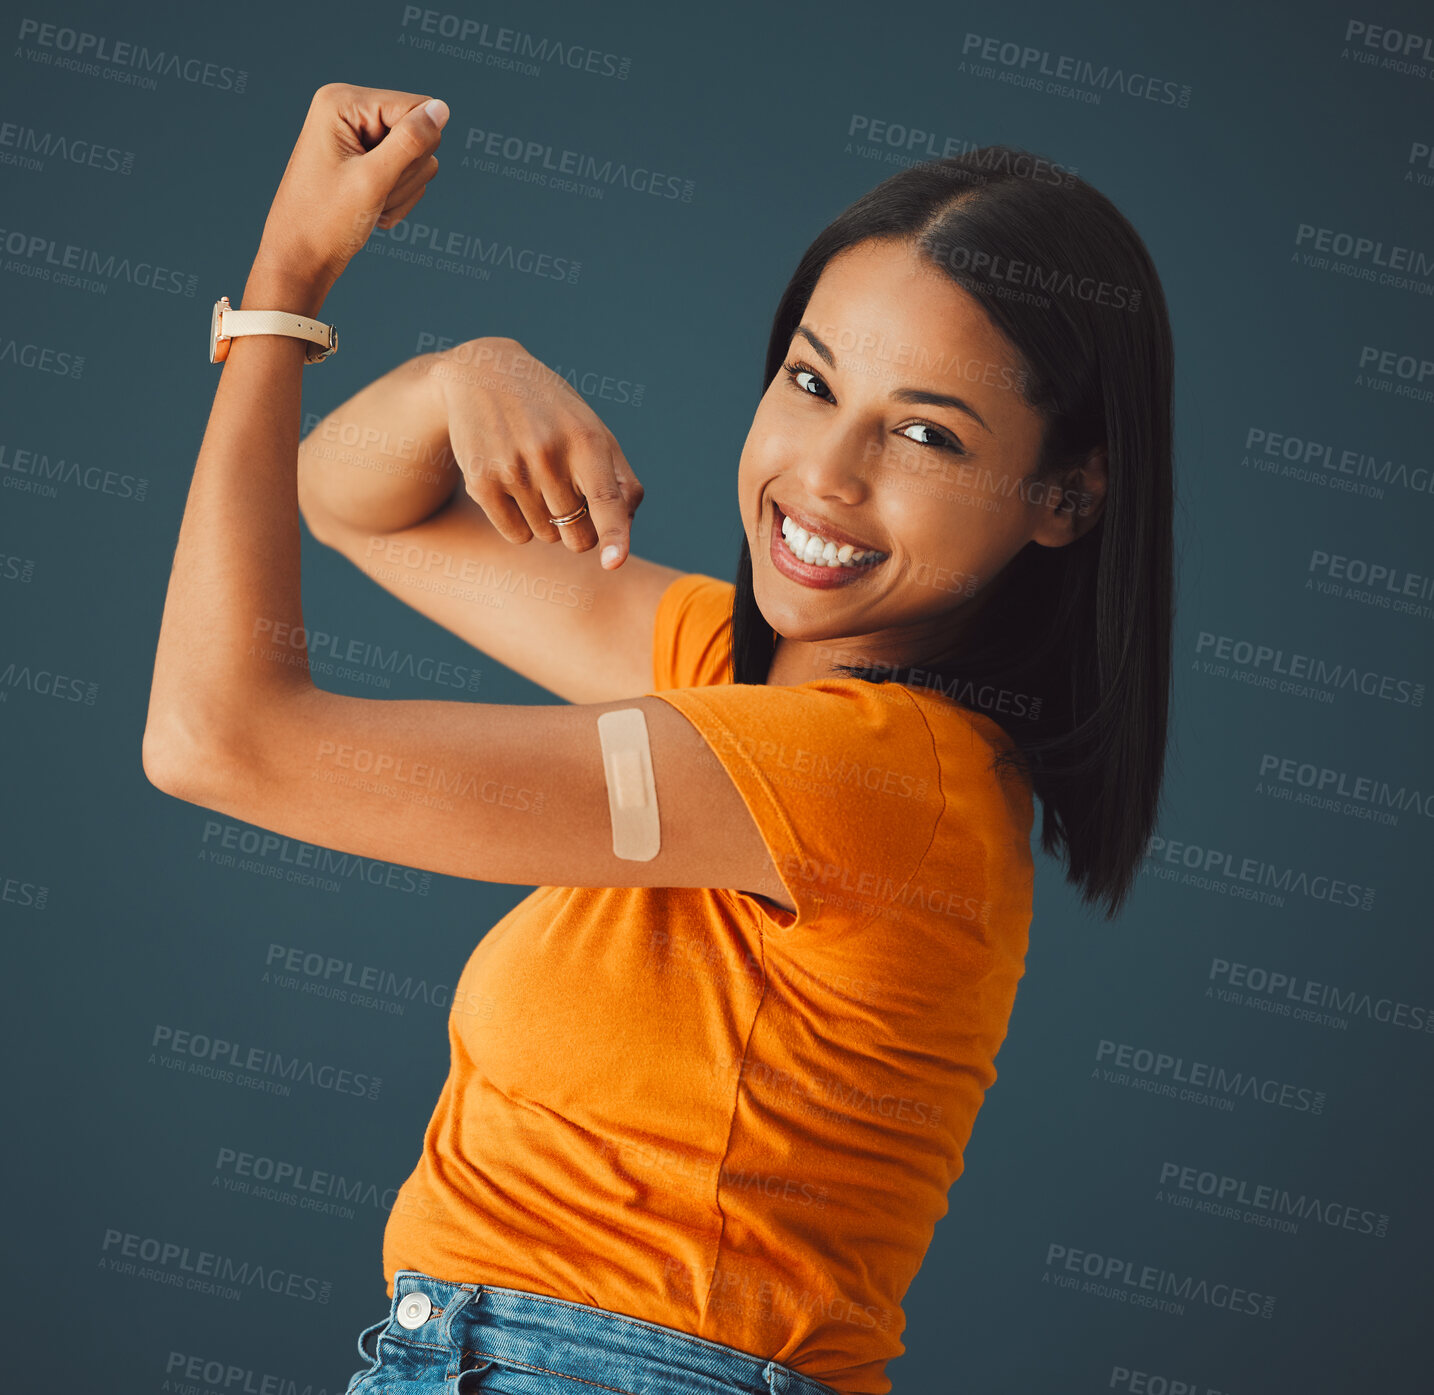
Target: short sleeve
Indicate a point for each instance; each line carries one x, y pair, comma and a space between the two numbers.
692, 633
842, 780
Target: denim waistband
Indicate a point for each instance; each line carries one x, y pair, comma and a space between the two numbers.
550, 1336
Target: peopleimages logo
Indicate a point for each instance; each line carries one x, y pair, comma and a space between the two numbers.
69, 264
328, 976
1420, 152
297, 1184
1053, 280
1337, 467
1050, 72
1257, 1203
495, 363
1382, 584
35, 472
29, 149
1134, 1381
1364, 258
42, 358
210, 1272
305, 864
16, 892
1110, 1276
499, 46
1200, 1082
1297, 996
329, 653
468, 253
78, 49
919, 144
1215, 869
1398, 374
1383, 39
1338, 791
40, 681
256, 1066
543, 160
228, 1376
1265, 665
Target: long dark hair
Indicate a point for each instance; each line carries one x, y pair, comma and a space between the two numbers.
1068, 649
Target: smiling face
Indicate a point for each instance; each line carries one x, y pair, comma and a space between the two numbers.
897, 428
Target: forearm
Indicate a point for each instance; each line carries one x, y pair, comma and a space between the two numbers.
235, 574
381, 460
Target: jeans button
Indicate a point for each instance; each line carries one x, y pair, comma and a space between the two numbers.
414, 1310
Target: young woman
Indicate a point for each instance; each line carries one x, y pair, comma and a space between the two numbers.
711, 1082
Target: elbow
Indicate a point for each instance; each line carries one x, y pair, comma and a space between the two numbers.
163, 767
175, 763
310, 509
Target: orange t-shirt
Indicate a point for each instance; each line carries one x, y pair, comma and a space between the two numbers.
690, 1105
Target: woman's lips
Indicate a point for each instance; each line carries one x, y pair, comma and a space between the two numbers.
810, 573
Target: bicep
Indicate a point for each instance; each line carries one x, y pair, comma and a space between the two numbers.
491, 792
552, 615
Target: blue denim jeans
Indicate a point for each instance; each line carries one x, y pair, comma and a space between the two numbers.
442, 1338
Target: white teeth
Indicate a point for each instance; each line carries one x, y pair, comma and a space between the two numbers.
823, 552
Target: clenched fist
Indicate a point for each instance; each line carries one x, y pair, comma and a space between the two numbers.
363, 158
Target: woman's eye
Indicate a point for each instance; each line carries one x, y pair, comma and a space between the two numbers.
803, 378
938, 438
810, 383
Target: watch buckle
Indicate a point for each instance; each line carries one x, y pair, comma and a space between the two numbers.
332, 347
219, 343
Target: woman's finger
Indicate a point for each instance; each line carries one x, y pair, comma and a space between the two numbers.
412, 181
423, 167
503, 512
627, 479
397, 215
563, 497
409, 132
408, 192
521, 480
595, 473
561, 489
487, 479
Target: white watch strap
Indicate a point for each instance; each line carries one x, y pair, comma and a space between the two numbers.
231, 323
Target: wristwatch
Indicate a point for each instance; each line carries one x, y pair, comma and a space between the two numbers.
227, 323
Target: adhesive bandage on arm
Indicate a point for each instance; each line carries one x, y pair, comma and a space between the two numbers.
631, 790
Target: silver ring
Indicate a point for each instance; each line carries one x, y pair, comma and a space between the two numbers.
570, 517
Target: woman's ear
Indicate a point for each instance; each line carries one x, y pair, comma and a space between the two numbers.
1073, 505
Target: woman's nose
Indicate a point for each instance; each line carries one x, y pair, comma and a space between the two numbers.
839, 463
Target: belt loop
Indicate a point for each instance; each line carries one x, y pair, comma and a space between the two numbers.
771, 1372
457, 1304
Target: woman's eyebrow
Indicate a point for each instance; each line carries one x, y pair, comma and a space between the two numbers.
914, 396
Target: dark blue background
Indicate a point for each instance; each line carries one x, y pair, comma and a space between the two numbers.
753, 104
